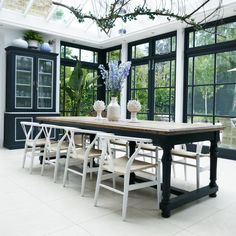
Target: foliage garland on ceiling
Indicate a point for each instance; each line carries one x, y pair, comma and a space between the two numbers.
117, 10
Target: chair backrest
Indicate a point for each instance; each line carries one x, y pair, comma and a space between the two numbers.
72, 132
106, 148
29, 131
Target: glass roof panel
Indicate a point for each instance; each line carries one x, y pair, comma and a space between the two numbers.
16, 5
41, 8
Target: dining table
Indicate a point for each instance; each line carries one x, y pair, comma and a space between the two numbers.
165, 135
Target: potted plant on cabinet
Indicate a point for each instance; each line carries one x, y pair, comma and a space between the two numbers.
33, 38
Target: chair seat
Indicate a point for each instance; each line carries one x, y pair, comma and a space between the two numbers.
39, 142
80, 153
183, 153
119, 142
149, 147
121, 162
64, 146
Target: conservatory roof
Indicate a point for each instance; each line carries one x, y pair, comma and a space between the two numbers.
43, 16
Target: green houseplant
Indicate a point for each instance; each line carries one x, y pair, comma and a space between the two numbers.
33, 38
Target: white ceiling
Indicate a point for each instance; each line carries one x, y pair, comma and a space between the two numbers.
42, 16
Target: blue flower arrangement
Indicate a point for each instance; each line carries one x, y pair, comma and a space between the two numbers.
115, 76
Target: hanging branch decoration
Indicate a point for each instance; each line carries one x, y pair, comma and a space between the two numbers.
116, 10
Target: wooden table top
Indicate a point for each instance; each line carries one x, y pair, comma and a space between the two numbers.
153, 127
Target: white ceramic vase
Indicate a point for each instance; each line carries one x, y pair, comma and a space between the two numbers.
113, 110
45, 47
133, 107
99, 106
21, 43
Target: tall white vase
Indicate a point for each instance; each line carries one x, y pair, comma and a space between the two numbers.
113, 110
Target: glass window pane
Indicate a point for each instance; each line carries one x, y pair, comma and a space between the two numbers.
113, 55
87, 55
163, 46
172, 101
224, 62
203, 119
140, 76
142, 116
162, 100
162, 74
62, 52
190, 71
205, 37
203, 100
173, 73
142, 97
189, 105
72, 53
191, 39
141, 50
89, 92
226, 32
228, 136
173, 49
204, 69
226, 100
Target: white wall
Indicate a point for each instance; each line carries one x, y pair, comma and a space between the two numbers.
6, 37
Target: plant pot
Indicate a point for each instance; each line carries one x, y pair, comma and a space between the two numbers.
113, 110
33, 44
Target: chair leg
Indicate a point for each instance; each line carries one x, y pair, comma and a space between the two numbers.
91, 166
198, 172
56, 167
32, 159
185, 170
158, 178
125, 198
99, 179
43, 162
24, 157
66, 170
173, 169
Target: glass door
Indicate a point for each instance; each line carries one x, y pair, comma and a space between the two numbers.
24, 82
164, 90
45, 84
140, 87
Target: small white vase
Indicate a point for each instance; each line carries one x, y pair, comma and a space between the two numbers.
113, 110
133, 107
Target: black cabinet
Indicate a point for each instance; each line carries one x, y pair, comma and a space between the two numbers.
30, 90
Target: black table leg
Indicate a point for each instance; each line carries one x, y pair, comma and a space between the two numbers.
132, 147
213, 166
166, 172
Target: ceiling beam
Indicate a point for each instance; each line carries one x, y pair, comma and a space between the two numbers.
1, 4
28, 7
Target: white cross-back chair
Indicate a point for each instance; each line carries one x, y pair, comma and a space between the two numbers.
34, 143
54, 150
83, 157
111, 167
186, 157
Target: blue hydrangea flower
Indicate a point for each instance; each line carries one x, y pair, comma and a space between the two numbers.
116, 75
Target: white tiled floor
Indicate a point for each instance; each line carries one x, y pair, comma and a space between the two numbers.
33, 205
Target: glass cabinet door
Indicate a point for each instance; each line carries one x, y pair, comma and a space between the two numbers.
45, 83
24, 82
